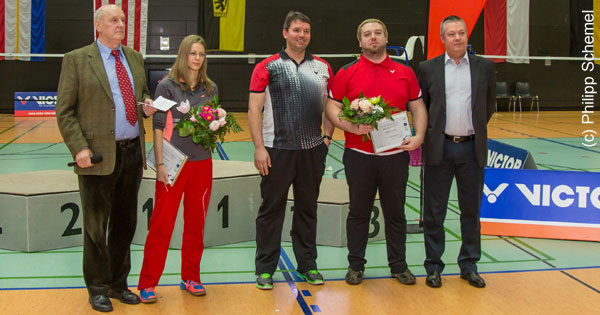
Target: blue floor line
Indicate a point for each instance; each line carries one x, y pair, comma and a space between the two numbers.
290, 265
580, 281
220, 154
299, 298
222, 151
283, 267
552, 141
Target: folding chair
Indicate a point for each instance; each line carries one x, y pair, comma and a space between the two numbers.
502, 93
523, 90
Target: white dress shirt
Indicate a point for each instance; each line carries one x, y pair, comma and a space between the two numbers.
458, 97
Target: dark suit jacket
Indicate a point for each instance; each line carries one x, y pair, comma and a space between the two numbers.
483, 96
85, 110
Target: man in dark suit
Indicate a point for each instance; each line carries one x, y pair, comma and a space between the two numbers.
459, 93
97, 113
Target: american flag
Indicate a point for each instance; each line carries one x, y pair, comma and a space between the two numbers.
136, 20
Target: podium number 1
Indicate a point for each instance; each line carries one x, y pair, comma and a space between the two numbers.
148, 207
224, 204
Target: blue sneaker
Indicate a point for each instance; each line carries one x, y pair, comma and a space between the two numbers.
195, 288
148, 295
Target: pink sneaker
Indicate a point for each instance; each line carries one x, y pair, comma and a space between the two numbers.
195, 288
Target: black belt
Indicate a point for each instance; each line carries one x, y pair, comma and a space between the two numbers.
459, 139
124, 143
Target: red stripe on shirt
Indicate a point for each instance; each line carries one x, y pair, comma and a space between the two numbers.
138, 20
2, 32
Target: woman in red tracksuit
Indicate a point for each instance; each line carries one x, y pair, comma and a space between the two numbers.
187, 83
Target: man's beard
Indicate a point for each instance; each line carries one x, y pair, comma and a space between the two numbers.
374, 50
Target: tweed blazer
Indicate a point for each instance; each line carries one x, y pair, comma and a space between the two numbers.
431, 78
85, 110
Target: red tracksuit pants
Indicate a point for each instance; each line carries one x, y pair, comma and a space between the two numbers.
195, 184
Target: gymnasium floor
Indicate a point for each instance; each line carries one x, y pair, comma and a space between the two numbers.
523, 275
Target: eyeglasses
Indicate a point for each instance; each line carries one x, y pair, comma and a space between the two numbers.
197, 55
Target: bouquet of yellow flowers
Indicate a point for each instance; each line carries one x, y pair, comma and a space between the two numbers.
206, 124
366, 111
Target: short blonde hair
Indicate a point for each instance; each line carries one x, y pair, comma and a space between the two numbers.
371, 20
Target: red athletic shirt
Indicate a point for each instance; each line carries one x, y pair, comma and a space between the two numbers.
395, 82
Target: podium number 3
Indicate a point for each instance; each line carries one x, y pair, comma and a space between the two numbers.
374, 222
75, 210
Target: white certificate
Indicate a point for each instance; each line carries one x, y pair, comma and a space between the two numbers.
163, 104
173, 158
391, 133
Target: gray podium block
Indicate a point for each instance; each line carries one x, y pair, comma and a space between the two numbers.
40, 211
332, 211
233, 206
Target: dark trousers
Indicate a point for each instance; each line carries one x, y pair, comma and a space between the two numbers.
304, 170
365, 175
109, 219
459, 161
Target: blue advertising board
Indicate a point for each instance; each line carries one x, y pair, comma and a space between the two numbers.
28, 104
502, 155
541, 203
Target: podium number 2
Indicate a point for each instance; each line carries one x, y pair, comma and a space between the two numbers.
75, 210
224, 204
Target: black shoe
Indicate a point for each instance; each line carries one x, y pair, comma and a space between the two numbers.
405, 277
124, 296
434, 279
353, 276
101, 303
474, 279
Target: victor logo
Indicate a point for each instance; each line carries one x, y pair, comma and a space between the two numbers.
41, 100
492, 195
561, 196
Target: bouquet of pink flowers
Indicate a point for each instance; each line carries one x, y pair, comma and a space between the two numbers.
366, 111
206, 124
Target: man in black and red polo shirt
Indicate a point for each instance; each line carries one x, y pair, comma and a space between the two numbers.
287, 95
376, 74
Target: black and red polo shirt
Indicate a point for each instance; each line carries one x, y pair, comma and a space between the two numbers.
395, 82
295, 97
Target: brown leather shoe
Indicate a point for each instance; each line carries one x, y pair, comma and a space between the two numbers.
474, 279
434, 279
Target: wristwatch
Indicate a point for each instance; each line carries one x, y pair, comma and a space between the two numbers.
327, 137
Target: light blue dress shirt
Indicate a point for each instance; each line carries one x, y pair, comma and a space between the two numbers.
123, 129
459, 112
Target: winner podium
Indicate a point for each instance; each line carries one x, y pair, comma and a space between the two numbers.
42, 210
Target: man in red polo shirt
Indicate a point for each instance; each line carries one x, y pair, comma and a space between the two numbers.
376, 74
